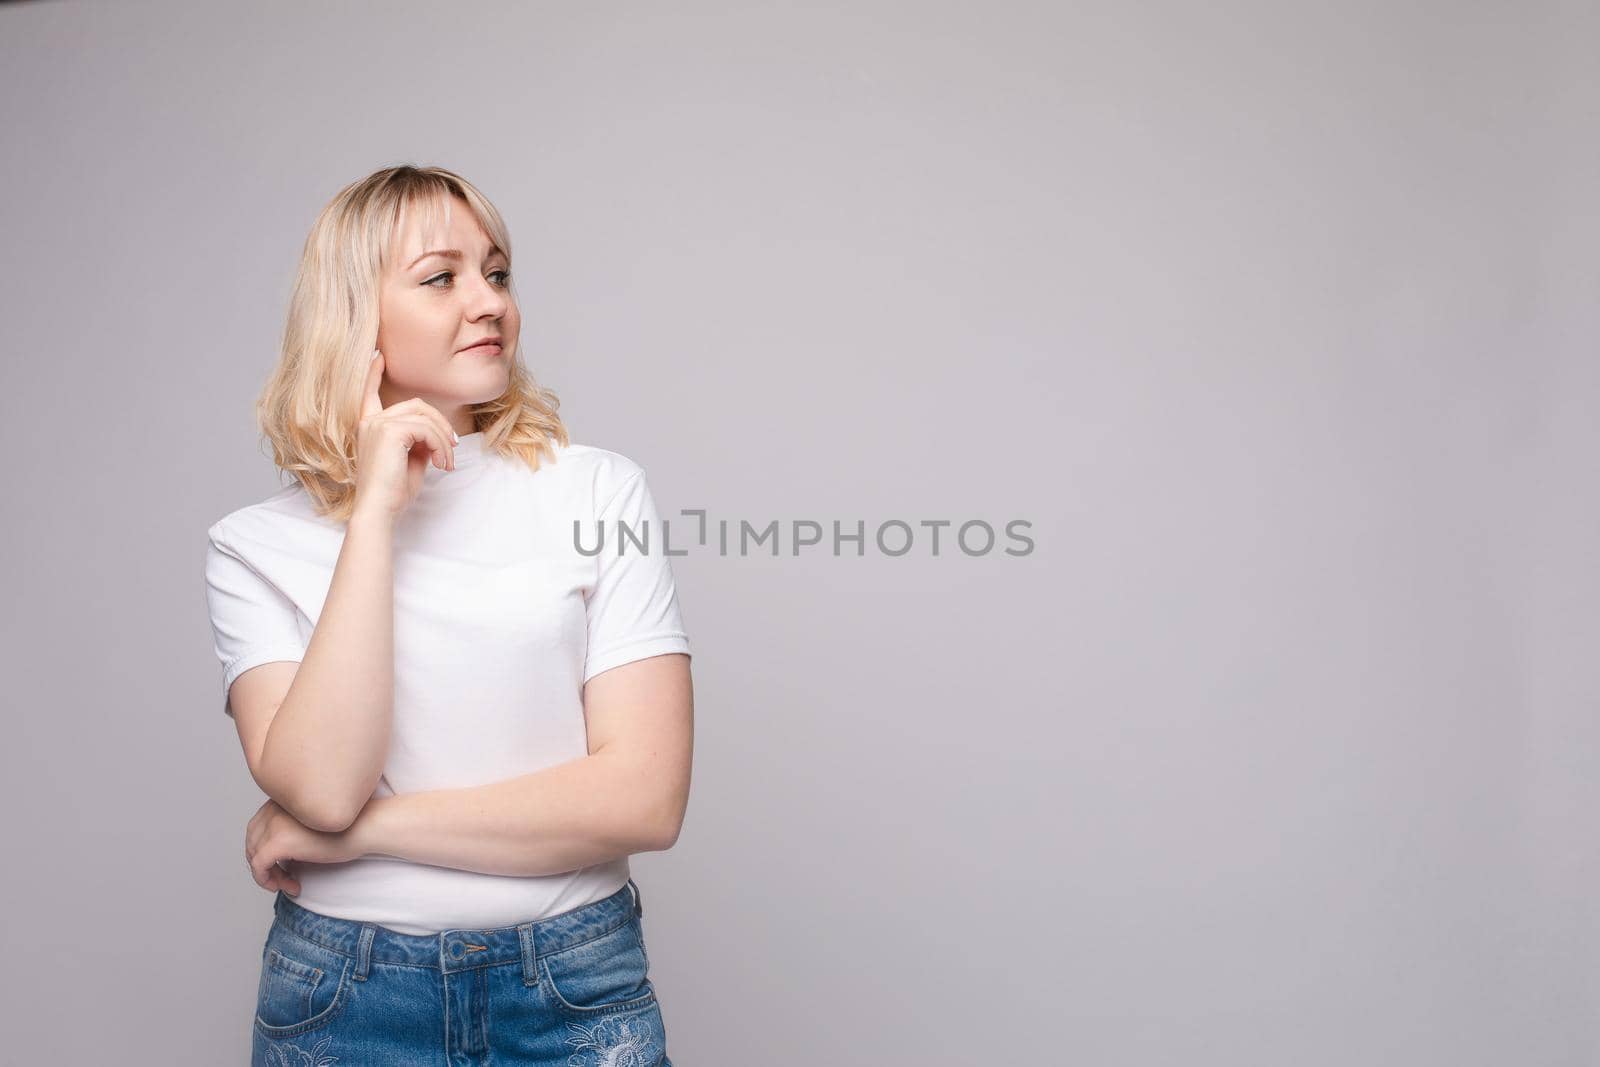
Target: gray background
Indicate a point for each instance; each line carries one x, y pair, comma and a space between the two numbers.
1277, 321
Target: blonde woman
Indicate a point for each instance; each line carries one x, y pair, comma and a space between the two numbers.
453, 651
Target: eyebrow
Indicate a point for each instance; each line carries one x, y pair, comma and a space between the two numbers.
455, 253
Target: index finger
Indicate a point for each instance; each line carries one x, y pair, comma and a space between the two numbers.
370, 404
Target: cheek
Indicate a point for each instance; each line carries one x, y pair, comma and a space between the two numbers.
414, 361
415, 336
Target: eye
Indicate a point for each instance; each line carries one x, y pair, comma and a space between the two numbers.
505, 278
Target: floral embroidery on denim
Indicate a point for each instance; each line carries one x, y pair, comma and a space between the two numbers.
616, 1041
279, 1055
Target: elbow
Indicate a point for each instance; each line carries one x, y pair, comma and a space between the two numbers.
315, 806
665, 822
329, 815
335, 812
330, 818
313, 809
655, 838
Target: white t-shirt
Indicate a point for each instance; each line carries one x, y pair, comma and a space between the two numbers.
499, 620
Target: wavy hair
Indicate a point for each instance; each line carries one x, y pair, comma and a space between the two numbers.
311, 403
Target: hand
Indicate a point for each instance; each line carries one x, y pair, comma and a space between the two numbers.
394, 445
273, 838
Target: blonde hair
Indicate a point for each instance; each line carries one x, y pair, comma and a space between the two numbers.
311, 403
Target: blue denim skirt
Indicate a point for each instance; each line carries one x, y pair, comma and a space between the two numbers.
568, 990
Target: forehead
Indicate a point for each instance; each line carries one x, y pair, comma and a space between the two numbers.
440, 222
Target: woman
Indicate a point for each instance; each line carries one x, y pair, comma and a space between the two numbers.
466, 717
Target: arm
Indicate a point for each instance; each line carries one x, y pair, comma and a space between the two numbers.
316, 736
628, 795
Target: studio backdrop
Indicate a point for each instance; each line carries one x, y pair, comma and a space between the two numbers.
1134, 463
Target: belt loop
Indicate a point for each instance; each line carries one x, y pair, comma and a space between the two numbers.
364, 951
530, 958
638, 898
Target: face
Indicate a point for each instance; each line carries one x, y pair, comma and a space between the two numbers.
432, 307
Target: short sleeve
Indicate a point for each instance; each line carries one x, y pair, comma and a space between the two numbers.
252, 621
633, 608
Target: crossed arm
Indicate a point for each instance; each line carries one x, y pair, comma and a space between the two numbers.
627, 795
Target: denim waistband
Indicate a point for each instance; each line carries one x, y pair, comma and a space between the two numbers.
461, 950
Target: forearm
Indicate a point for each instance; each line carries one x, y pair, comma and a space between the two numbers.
585, 811
326, 747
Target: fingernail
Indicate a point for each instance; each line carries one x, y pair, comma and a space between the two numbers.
375, 353
456, 436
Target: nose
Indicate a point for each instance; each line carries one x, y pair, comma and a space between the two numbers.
488, 299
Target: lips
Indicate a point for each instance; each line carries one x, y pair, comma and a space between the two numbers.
486, 345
